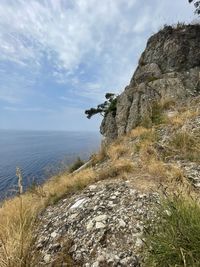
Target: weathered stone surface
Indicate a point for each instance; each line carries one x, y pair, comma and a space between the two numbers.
108, 126
147, 73
174, 49
168, 68
102, 235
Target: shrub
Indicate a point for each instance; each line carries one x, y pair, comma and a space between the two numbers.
76, 165
173, 239
110, 105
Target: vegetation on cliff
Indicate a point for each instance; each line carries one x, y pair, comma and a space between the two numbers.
152, 152
154, 126
108, 106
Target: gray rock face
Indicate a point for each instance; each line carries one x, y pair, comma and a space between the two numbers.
108, 127
169, 68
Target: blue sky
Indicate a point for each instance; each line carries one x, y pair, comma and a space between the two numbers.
60, 57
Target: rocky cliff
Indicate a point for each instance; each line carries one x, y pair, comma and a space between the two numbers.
106, 213
169, 68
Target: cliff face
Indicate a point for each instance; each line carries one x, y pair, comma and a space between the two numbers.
169, 68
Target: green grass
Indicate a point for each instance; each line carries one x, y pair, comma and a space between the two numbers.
174, 238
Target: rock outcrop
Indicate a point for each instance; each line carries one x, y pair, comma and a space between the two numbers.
169, 68
104, 222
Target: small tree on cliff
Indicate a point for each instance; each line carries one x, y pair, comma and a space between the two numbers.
108, 106
197, 6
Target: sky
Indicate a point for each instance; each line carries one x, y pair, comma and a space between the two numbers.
59, 57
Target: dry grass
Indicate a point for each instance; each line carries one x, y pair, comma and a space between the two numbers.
186, 145
118, 168
151, 161
165, 173
144, 145
167, 103
182, 117
18, 216
100, 156
185, 112
139, 131
115, 151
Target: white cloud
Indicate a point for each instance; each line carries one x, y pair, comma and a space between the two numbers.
106, 35
69, 29
67, 35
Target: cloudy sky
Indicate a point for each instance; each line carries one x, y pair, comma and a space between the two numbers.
60, 57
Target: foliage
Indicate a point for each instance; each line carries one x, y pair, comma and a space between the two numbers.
108, 106
197, 6
76, 165
174, 239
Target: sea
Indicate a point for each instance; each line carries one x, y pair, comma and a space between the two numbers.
40, 155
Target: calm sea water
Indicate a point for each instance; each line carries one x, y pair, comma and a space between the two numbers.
40, 154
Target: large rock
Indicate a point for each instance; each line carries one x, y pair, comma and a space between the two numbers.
169, 68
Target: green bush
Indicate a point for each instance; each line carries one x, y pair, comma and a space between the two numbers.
174, 238
76, 165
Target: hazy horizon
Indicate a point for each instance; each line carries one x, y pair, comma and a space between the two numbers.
52, 130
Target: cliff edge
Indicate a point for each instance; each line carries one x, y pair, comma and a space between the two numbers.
169, 68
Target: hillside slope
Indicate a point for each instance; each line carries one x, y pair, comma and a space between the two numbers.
103, 224
107, 213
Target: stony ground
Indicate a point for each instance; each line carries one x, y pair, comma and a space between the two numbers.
105, 223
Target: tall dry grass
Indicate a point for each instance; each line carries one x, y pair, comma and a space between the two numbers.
18, 215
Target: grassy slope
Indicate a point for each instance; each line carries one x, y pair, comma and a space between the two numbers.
138, 156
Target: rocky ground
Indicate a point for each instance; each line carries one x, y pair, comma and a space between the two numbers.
104, 222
